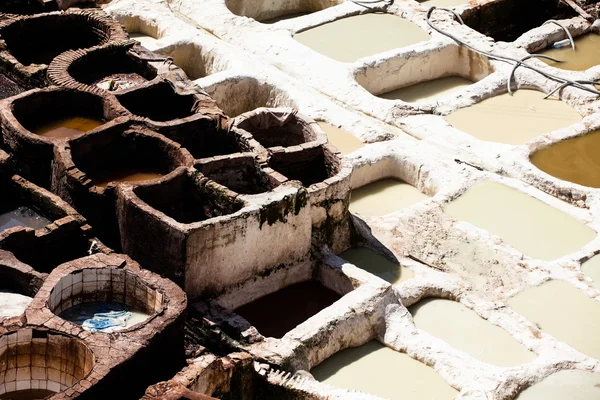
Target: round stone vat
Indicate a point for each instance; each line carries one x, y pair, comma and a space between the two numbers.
83, 294
280, 128
269, 12
110, 68
34, 121
40, 38
41, 362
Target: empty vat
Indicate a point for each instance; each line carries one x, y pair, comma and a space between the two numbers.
524, 222
81, 313
428, 90
24, 217
278, 313
377, 369
586, 54
591, 269
384, 197
13, 304
66, 127
570, 384
514, 119
309, 166
349, 39
375, 263
343, 140
575, 160
563, 311
465, 330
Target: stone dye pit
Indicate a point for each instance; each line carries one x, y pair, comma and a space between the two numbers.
239, 199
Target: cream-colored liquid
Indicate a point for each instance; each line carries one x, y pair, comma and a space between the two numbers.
591, 269
349, 39
575, 160
377, 264
343, 140
514, 119
563, 311
443, 3
374, 368
429, 90
13, 304
586, 54
145, 40
524, 222
463, 329
384, 197
565, 385
67, 127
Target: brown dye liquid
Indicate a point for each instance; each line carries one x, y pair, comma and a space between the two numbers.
586, 54
575, 160
563, 311
277, 313
343, 140
377, 264
565, 385
591, 269
125, 175
349, 39
514, 119
377, 369
428, 90
67, 127
466, 331
28, 394
524, 222
284, 17
384, 197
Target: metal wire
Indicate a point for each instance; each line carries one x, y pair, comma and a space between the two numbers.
509, 60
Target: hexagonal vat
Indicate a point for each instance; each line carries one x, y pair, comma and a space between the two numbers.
267, 12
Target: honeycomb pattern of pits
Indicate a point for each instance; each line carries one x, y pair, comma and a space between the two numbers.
265, 11
42, 360
310, 166
105, 285
508, 19
240, 174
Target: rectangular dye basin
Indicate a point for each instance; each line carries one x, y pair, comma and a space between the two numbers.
514, 119
277, 313
352, 38
563, 311
563, 385
375, 263
428, 90
524, 222
586, 54
575, 160
343, 140
384, 197
376, 369
24, 217
591, 269
465, 330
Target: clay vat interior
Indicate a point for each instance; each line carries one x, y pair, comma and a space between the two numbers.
112, 155
187, 199
264, 10
384, 196
310, 166
506, 20
554, 302
591, 269
442, 3
240, 174
209, 142
573, 159
158, 102
16, 292
377, 264
340, 138
143, 31
529, 225
193, 59
269, 130
566, 384
349, 39
98, 67
19, 7
84, 290
38, 40
46, 360
425, 76
32, 210
586, 54
463, 329
236, 96
376, 369
60, 113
